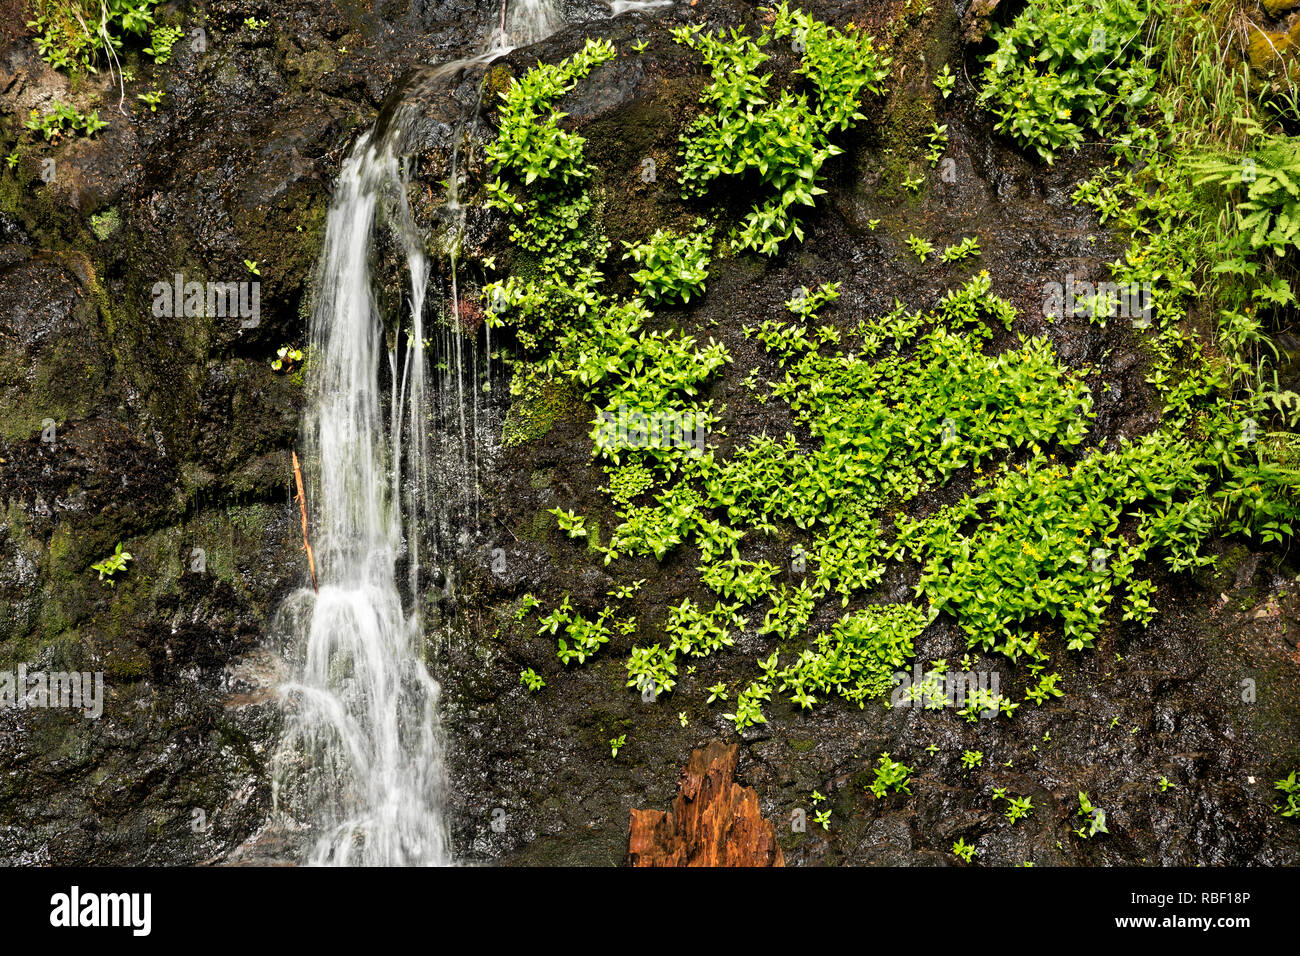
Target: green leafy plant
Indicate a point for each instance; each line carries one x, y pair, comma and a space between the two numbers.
151, 99
285, 359
1265, 186
1017, 807
1064, 66
937, 139
1045, 689
673, 267
77, 35
63, 118
572, 524
531, 679
749, 706
1289, 786
526, 604
162, 39
968, 247
945, 80
964, 851
112, 565
921, 247
582, 638
616, 744
652, 670
784, 138
104, 224
1095, 817
890, 775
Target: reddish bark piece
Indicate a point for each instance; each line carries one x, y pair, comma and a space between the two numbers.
713, 822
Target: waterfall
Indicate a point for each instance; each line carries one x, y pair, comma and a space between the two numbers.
363, 725
361, 755
523, 23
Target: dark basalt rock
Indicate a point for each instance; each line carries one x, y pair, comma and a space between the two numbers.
172, 435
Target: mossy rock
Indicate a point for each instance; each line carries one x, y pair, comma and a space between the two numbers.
530, 419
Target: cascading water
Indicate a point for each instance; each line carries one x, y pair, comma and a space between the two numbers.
529, 21
361, 756
364, 721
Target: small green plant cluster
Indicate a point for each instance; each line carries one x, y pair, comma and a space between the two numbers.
286, 357
961, 251
921, 247
1290, 788
86, 34
857, 659
541, 182
890, 775
937, 139
581, 638
151, 99
112, 565
1065, 66
1046, 688
1047, 545
531, 679
692, 631
1017, 807
1094, 819
673, 267
964, 851
628, 481
62, 119
161, 40
574, 525
945, 80
104, 224
527, 604
784, 138
887, 427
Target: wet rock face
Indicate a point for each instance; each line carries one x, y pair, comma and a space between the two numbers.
532, 777
46, 343
171, 434
166, 432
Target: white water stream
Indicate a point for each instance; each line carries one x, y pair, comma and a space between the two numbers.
361, 754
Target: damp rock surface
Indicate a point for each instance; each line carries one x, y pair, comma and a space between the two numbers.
171, 434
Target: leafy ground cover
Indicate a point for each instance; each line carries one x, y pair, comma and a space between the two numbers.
1058, 537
